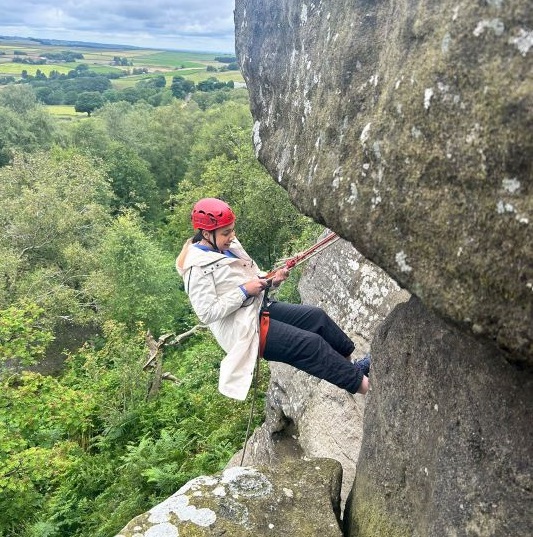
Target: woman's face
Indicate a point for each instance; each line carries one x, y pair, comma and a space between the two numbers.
224, 236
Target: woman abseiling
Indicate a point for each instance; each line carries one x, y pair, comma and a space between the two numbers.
226, 291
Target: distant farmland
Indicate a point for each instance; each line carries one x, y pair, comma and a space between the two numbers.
191, 65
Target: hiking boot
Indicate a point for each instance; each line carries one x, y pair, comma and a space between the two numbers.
364, 364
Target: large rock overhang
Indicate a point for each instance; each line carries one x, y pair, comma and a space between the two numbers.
406, 127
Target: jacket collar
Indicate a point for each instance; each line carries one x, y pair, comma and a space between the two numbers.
200, 258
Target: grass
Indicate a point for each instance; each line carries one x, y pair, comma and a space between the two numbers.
196, 75
139, 57
177, 59
15, 69
225, 76
64, 111
10, 49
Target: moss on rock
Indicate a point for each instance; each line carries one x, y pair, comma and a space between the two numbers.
406, 128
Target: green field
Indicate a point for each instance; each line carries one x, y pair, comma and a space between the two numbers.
196, 75
174, 59
65, 112
31, 51
15, 69
191, 64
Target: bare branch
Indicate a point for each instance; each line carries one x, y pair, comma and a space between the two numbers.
170, 376
154, 361
178, 339
154, 347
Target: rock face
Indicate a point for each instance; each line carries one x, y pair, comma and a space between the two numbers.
295, 489
298, 498
310, 418
353, 291
447, 436
406, 128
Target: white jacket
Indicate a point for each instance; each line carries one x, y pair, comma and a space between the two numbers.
212, 282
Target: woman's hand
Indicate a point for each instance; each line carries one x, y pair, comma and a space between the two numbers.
280, 276
256, 286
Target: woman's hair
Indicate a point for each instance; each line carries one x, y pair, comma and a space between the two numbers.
197, 236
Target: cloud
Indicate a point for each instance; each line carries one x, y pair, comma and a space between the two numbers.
177, 24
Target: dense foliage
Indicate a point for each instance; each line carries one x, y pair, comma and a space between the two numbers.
93, 214
88, 90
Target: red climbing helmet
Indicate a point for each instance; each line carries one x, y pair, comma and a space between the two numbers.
211, 213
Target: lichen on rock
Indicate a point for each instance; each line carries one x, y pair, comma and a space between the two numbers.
296, 498
395, 125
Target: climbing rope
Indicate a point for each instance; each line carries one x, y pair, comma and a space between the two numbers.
289, 264
250, 417
294, 261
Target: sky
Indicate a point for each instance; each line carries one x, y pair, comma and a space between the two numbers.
202, 25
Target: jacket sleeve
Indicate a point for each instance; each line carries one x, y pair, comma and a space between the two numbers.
208, 306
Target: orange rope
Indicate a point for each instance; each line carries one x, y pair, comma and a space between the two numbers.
306, 254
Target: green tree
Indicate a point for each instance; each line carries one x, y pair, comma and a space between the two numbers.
160, 136
222, 131
211, 84
181, 87
55, 97
22, 337
130, 95
225, 59
69, 97
88, 101
25, 123
54, 210
87, 136
154, 82
111, 95
43, 94
172, 133
132, 182
137, 281
206, 100
19, 99
127, 123
89, 82
41, 423
8, 79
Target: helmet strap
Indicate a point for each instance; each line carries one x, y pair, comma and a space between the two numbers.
213, 242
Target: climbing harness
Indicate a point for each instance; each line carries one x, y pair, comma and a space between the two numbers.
264, 315
264, 323
289, 264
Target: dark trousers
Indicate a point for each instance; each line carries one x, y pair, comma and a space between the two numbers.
308, 339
